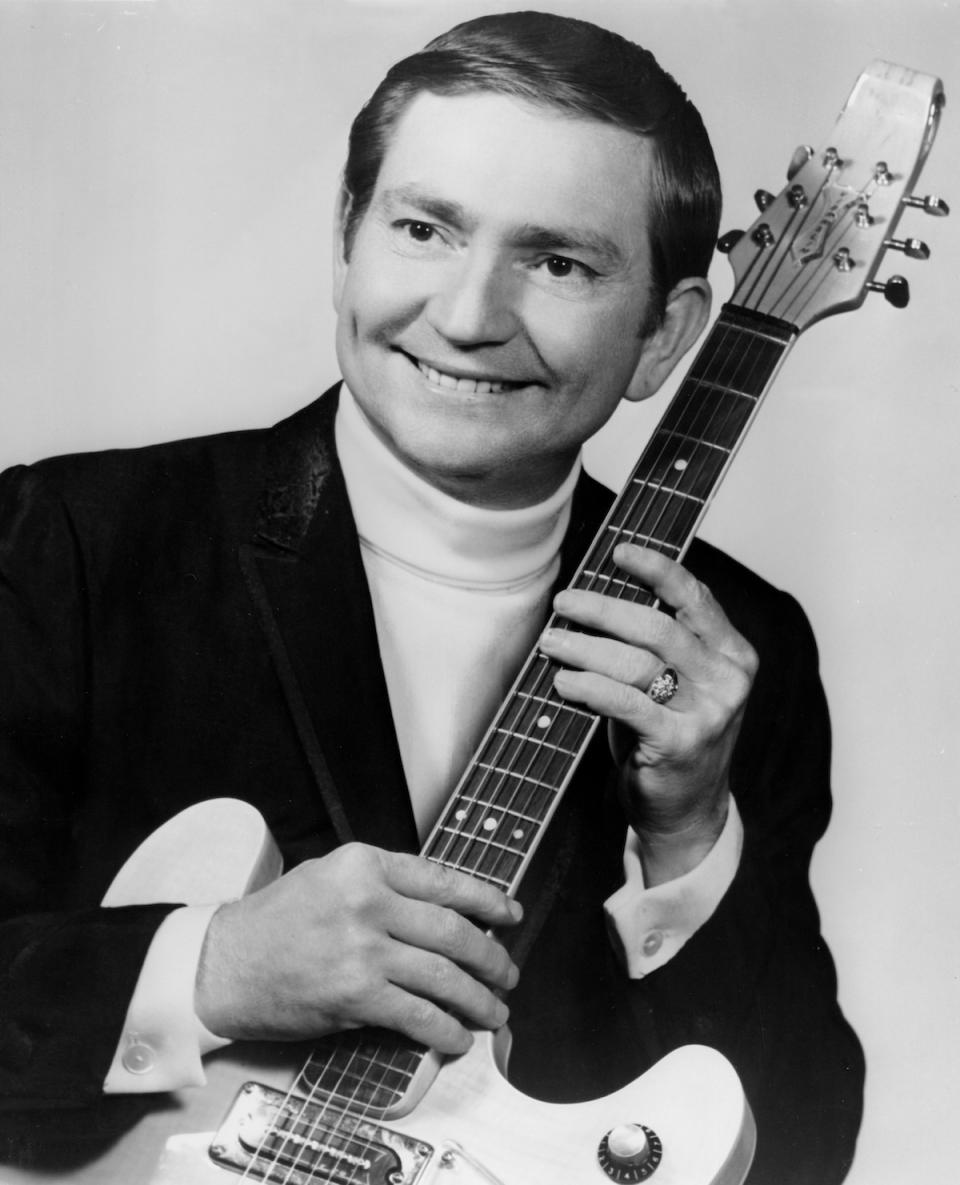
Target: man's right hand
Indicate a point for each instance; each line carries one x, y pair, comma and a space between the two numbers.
359, 937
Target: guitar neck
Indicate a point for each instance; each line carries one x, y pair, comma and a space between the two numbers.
496, 817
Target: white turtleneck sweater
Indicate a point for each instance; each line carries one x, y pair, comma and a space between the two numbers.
459, 594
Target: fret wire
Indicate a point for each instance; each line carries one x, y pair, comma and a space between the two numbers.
649, 459
539, 673
518, 815
541, 669
546, 744
548, 700
489, 840
747, 362
483, 876
523, 777
674, 493
706, 361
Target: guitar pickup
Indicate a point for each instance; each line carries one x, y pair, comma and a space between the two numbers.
271, 1135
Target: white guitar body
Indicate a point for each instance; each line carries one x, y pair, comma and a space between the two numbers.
470, 1127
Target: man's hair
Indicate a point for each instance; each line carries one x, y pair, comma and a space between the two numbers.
584, 71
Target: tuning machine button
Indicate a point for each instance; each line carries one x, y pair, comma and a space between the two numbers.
798, 160
863, 218
727, 242
630, 1152
914, 248
842, 260
896, 291
929, 205
764, 199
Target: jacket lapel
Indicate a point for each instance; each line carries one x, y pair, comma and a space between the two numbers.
305, 576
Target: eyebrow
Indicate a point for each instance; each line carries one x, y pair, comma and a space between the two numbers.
528, 235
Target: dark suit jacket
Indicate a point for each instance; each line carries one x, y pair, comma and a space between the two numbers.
191, 620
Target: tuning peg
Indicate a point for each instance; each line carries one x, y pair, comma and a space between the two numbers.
882, 174
929, 205
764, 199
727, 242
914, 248
798, 160
896, 291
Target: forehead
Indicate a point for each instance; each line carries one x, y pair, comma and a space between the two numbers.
509, 162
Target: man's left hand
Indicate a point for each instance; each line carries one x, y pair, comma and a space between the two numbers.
674, 757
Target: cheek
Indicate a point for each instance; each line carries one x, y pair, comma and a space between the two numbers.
581, 344
377, 295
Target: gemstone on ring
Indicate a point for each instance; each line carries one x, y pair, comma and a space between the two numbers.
664, 687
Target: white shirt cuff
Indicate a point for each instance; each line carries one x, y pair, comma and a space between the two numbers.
651, 925
163, 1040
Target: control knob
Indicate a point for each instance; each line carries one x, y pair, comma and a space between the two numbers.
630, 1152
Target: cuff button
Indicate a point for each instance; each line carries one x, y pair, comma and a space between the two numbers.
652, 943
138, 1059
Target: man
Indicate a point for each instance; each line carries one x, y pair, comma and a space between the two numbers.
320, 619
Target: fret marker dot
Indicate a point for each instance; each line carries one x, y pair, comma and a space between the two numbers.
681, 464
490, 824
518, 833
460, 815
544, 722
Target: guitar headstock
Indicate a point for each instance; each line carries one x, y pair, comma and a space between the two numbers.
816, 247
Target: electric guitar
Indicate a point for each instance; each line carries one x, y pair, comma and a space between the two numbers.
370, 1108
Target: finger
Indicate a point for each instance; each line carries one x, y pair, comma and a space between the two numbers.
445, 932
421, 1020
635, 625
620, 661
425, 880
431, 977
691, 600
618, 701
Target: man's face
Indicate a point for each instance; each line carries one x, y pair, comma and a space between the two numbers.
490, 313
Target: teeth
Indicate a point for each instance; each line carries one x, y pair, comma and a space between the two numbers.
470, 386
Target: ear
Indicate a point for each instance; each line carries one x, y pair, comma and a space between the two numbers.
688, 307
340, 263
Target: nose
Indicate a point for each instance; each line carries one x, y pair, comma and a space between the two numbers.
476, 303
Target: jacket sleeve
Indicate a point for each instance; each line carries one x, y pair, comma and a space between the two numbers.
757, 981
67, 967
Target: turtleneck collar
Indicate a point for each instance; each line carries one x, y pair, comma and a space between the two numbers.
409, 522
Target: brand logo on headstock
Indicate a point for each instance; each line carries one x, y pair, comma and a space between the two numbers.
835, 201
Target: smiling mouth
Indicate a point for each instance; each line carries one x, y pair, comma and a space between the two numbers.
468, 386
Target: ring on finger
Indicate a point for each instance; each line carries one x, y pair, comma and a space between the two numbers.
664, 686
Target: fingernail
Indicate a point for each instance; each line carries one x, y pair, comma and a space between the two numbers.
513, 976
516, 909
501, 1014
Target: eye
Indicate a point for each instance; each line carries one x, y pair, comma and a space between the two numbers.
560, 266
420, 232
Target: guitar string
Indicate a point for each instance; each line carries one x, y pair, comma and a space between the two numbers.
481, 837
809, 277
816, 277
598, 578
345, 1113
770, 261
273, 1130
538, 743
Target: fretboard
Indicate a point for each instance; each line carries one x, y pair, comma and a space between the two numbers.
498, 813
496, 817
